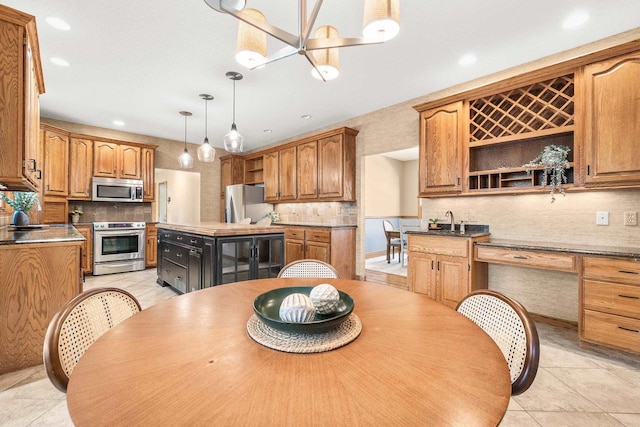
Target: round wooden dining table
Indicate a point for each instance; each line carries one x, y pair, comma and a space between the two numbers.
189, 361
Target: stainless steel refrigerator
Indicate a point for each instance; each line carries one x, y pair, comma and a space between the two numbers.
245, 201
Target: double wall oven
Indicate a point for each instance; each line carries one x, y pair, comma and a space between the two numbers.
118, 247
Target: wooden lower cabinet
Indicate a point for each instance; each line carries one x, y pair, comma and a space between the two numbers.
333, 245
610, 302
151, 249
443, 269
86, 263
35, 281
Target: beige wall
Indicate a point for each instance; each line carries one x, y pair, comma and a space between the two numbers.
382, 194
409, 200
183, 189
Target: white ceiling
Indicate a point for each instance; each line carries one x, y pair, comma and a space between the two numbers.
143, 61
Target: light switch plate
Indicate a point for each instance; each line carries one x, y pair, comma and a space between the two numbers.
602, 218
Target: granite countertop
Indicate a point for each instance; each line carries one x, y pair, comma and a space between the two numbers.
47, 234
217, 229
624, 252
472, 230
310, 224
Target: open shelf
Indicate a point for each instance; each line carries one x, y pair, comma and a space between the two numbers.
253, 171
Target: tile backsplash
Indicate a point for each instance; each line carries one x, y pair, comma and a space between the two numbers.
110, 211
327, 213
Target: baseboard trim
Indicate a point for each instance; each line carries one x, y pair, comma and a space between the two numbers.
568, 324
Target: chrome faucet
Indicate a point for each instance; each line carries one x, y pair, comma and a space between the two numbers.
453, 223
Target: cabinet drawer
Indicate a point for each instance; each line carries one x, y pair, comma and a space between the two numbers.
175, 253
453, 246
295, 233
612, 269
318, 235
609, 329
537, 259
182, 238
612, 298
175, 276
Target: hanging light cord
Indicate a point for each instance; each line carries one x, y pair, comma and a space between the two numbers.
185, 132
206, 110
234, 102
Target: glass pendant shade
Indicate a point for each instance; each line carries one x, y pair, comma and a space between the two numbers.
251, 45
206, 153
381, 19
328, 60
185, 160
233, 140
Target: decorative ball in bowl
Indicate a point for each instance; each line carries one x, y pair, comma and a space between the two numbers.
267, 308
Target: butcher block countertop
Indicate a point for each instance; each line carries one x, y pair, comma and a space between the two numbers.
218, 229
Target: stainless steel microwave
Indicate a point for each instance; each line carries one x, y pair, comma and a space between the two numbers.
117, 190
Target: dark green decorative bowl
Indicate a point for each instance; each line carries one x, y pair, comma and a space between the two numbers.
267, 308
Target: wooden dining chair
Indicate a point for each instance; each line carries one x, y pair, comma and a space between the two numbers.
508, 323
309, 268
393, 240
78, 324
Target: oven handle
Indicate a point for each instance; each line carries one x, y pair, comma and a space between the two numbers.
119, 232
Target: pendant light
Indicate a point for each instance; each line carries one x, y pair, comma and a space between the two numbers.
185, 159
251, 44
206, 153
233, 140
381, 19
328, 60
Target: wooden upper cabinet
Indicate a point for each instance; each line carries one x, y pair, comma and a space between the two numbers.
441, 136
330, 167
271, 163
105, 159
308, 170
115, 160
612, 121
21, 84
80, 168
148, 174
130, 161
288, 175
280, 175
231, 171
56, 162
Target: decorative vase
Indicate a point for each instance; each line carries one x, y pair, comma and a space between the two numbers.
433, 226
75, 218
20, 219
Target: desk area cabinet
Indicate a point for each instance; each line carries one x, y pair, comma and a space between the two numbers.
443, 268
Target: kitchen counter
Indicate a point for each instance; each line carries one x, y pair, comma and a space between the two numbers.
47, 234
564, 247
312, 224
444, 231
218, 229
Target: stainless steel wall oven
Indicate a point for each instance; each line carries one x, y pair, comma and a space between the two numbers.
118, 247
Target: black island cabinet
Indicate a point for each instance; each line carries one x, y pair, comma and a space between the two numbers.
188, 262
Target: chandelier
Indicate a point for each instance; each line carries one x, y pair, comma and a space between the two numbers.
381, 23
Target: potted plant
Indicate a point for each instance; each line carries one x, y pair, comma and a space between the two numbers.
21, 203
433, 223
75, 214
553, 159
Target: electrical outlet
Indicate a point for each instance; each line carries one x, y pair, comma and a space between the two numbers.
602, 218
631, 218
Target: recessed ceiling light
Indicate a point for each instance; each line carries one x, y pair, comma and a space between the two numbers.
267, 131
575, 20
57, 23
118, 122
305, 116
467, 59
59, 61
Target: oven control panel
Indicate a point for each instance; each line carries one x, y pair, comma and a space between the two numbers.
118, 225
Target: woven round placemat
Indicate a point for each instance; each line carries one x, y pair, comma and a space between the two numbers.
292, 342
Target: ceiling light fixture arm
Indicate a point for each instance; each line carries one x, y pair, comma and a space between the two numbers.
316, 44
314, 64
306, 27
285, 52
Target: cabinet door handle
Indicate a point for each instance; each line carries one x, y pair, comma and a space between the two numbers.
193, 241
627, 329
167, 250
432, 264
588, 169
520, 257
628, 272
179, 255
438, 265
39, 174
179, 238
628, 296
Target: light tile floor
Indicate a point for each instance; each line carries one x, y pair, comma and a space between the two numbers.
574, 386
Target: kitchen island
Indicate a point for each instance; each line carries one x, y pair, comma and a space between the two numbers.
198, 256
39, 272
